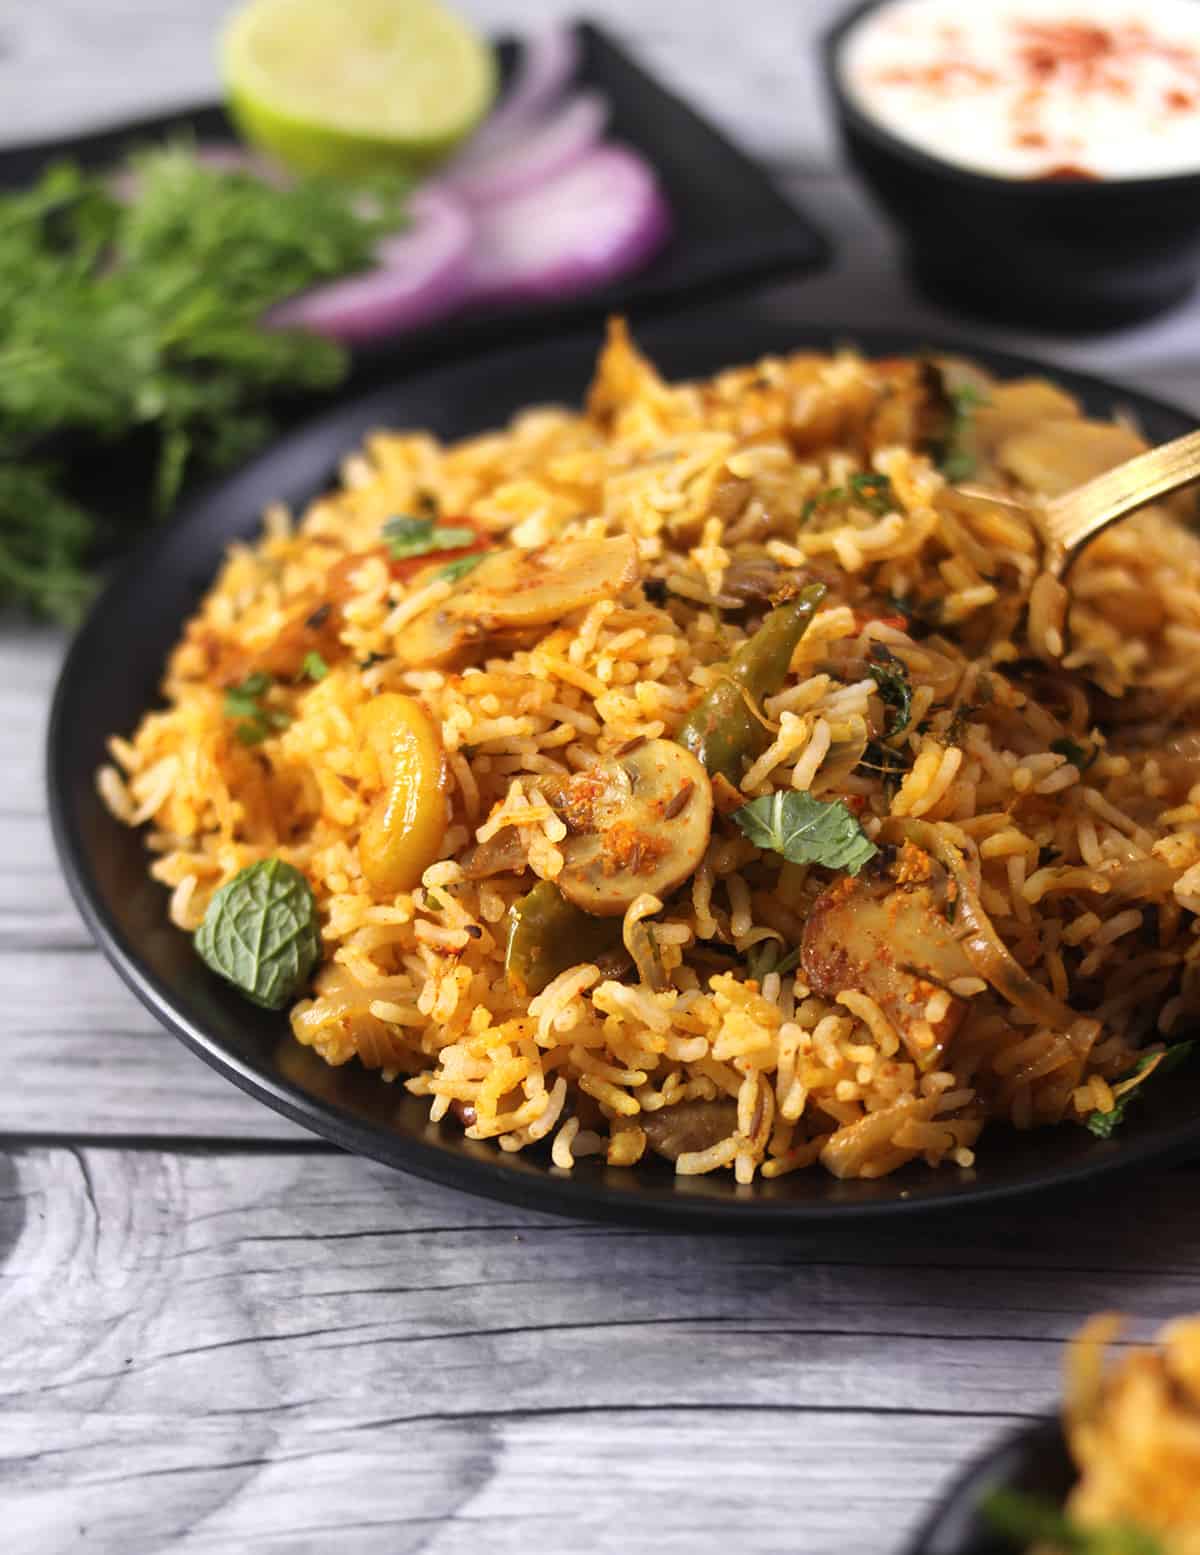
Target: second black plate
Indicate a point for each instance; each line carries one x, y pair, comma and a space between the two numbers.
1034, 1461
112, 673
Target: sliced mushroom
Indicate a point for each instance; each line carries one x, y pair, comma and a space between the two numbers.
891, 941
638, 822
688, 1126
513, 591
439, 640
533, 588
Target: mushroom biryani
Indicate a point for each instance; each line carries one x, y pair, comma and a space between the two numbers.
1132, 1422
715, 773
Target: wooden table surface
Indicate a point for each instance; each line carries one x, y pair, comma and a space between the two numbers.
220, 1335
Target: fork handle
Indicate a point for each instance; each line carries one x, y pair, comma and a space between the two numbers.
1079, 515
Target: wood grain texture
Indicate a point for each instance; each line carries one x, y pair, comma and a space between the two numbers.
269, 1350
246, 1352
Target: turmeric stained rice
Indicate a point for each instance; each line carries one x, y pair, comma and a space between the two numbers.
672, 655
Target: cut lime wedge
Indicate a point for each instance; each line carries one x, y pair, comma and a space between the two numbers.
355, 86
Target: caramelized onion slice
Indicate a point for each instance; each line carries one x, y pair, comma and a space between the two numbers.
990, 958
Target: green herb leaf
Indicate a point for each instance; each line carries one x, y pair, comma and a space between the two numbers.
958, 459
1161, 1062
313, 666
461, 566
253, 720
408, 536
806, 830
873, 492
261, 933
146, 317
1078, 755
891, 676
1027, 1519
887, 763
868, 490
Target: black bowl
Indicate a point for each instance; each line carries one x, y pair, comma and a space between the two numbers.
111, 675
1034, 1461
1071, 254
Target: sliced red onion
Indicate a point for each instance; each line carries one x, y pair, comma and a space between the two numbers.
421, 276
536, 153
598, 220
547, 66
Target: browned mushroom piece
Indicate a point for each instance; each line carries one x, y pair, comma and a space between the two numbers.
439, 639
891, 940
689, 1126
637, 822
512, 591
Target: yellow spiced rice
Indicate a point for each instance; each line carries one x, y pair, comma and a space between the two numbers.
1050, 756
1132, 1420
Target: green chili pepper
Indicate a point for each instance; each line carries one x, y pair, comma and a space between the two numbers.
547, 934
721, 730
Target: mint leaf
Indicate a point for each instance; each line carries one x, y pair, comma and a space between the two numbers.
806, 830
1162, 1062
261, 934
313, 666
408, 536
1027, 1519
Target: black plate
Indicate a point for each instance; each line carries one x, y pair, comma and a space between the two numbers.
1034, 1461
732, 226
110, 677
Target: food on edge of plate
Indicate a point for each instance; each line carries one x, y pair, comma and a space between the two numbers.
1132, 1423
1034, 89
704, 773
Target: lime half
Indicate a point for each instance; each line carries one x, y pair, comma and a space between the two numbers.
354, 86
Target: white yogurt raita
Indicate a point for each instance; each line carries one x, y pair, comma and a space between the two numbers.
1035, 88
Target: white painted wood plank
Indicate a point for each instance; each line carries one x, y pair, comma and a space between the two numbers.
91, 1061
248, 1352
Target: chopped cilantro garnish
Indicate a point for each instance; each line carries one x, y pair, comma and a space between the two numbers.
891, 676
873, 492
407, 536
1129, 1086
313, 666
253, 721
461, 566
958, 458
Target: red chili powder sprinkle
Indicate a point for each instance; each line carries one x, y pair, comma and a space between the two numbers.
1060, 56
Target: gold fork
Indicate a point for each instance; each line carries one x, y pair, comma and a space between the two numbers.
1069, 522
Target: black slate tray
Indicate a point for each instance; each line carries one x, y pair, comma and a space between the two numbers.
733, 227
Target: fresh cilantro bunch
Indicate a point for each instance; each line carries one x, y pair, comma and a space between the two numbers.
145, 315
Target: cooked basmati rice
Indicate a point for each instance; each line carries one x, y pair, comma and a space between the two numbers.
1089, 868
